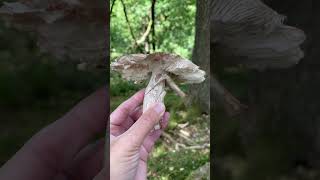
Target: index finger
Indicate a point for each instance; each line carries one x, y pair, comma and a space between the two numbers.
123, 111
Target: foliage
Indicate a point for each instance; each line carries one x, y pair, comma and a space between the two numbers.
174, 26
121, 87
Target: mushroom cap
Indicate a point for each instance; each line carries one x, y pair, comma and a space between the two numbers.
132, 67
77, 37
250, 33
138, 67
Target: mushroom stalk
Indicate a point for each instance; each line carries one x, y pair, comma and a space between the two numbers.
155, 91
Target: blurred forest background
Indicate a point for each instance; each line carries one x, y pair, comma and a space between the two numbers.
35, 88
147, 26
277, 136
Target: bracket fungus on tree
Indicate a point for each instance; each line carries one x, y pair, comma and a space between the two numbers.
161, 69
249, 33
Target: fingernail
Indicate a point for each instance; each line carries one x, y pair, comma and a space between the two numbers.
159, 108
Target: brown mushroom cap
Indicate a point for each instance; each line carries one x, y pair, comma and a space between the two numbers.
132, 67
138, 67
250, 33
183, 69
77, 37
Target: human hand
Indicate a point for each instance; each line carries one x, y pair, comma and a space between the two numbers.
62, 150
131, 139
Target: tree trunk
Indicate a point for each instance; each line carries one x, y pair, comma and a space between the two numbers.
201, 55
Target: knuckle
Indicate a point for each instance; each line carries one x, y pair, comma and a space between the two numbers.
147, 118
135, 99
151, 115
124, 109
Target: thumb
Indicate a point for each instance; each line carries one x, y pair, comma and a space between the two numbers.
142, 127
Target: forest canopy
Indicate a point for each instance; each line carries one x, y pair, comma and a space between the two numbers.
147, 26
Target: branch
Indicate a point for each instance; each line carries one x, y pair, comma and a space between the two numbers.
189, 141
153, 3
177, 144
166, 135
145, 34
198, 146
150, 26
128, 22
113, 2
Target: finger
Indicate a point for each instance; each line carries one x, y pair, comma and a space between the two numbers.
123, 111
142, 127
151, 139
155, 135
165, 120
54, 147
136, 114
117, 130
132, 118
88, 162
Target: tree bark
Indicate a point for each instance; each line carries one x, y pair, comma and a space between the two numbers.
201, 55
153, 4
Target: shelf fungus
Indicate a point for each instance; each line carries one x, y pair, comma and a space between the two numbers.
161, 69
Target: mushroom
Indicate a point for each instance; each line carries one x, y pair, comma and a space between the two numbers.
249, 33
70, 30
161, 68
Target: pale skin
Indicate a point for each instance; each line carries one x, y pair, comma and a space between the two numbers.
132, 131
64, 150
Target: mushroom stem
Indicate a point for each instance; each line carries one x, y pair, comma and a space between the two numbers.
155, 91
174, 86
